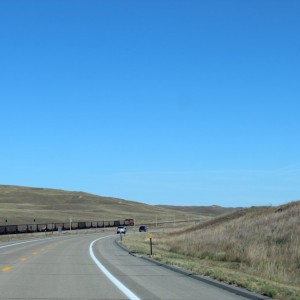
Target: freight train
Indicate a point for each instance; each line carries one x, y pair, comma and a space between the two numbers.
30, 228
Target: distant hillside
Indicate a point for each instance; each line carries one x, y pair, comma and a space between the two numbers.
23, 204
211, 211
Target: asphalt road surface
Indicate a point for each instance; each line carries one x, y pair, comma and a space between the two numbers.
71, 267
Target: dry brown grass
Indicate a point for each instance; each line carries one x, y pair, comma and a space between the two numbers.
266, 241
20, 205
258, 248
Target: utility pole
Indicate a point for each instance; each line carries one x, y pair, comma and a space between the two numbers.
70, 225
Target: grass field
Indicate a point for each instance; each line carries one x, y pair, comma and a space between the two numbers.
21, 205
256, 248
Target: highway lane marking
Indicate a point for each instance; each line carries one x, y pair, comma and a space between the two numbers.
113, 279
6, 269
38, 240
34, 253
23, 258
32, 241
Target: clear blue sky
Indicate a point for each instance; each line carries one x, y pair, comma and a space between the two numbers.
161, 102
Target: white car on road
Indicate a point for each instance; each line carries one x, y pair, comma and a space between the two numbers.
121, 229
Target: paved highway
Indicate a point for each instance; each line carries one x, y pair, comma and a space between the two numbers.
71, 267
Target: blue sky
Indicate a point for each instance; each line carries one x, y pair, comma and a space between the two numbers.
161, 102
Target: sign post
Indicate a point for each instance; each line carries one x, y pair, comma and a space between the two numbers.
150, 237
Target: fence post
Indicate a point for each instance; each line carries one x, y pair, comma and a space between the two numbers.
150, 237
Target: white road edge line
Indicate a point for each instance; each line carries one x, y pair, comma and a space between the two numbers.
31, 241
113, 279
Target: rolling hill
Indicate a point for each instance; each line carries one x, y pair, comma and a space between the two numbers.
256, 248
21, 205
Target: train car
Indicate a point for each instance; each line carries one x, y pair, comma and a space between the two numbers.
22, 228
42, 227
88, 224
11, 229
32, 228
50, 227
81, 225
74, 225
130, 222
58, 226
2, 229
67, 226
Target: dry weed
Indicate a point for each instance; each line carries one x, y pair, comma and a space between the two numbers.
264, 241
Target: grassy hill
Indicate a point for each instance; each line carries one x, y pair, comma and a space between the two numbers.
210, 211
20, 205
257, 248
